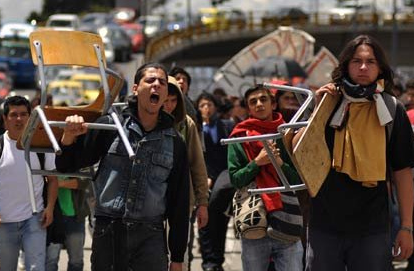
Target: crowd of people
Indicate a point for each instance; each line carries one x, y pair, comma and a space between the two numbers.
145, 212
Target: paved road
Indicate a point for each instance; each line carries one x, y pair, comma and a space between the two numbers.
233, 262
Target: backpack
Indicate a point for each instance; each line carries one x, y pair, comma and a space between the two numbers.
391, 103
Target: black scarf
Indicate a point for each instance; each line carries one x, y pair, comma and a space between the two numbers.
358, 91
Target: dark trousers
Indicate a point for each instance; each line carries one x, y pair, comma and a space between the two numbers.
212, 239
410, 266
327, 252
122, 246
191, 240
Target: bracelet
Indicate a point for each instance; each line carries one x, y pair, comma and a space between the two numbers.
405, 228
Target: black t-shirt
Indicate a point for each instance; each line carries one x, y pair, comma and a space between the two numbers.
344, 206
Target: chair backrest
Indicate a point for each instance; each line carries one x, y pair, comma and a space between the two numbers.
67, 47
70, 48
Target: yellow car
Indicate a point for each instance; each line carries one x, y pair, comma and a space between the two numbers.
212, 18
65, 92
91, 84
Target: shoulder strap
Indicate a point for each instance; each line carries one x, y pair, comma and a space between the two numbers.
41, 157
391, 103
1, 144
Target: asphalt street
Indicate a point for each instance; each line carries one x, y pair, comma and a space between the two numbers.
232, 254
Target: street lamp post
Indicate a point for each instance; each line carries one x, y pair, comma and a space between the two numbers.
189, 19
394, 40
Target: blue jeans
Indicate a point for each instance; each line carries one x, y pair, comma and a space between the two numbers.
256, 254
128, 246
328, 251
74, 241
30, 236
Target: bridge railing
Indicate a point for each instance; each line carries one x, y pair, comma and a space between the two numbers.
167, 41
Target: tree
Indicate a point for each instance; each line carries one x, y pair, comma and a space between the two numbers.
69, 6
216, 2
35, 16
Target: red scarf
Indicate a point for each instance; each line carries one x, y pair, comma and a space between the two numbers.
267, 176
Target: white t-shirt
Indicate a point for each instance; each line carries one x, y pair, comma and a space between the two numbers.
14, 189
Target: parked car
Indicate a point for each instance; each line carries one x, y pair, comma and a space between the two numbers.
176, 24
5, 85
124, 15
285, 16
63, 22
91, 21
288, 16
91, 83
119, 39
135, 32
403, 16
66, 92
9, 30
348, 12
211, 18
16, 57
234, 18
153, 24
109, 50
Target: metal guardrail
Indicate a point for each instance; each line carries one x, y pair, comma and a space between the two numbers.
166, 40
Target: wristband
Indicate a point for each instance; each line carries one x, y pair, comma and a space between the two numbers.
405, 228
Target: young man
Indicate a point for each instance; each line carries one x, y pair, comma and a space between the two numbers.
135, 197
408, 96
174, 104
73, 209
184, 81
19, 227
349, 219
250, 162
212, 238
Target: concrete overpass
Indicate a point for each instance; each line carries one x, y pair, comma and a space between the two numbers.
206, 47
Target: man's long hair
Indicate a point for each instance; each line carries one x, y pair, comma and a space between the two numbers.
347, 54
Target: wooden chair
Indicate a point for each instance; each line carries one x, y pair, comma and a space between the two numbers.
294, 123
43, 130
311, 155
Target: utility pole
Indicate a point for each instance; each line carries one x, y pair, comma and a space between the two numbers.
355, 18
394, 40
189, 19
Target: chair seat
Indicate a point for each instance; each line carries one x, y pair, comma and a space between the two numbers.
311, 155
40, 138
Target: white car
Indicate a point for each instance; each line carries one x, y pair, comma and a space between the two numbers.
63, 22
348, 12
109, 50
16, 29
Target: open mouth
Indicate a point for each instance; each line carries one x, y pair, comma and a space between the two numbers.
154, 98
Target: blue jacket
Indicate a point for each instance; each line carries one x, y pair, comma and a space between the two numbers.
152, 187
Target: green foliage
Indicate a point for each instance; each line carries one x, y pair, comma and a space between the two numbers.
35, 16
69, 6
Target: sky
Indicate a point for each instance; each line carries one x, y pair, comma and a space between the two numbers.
11, 12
